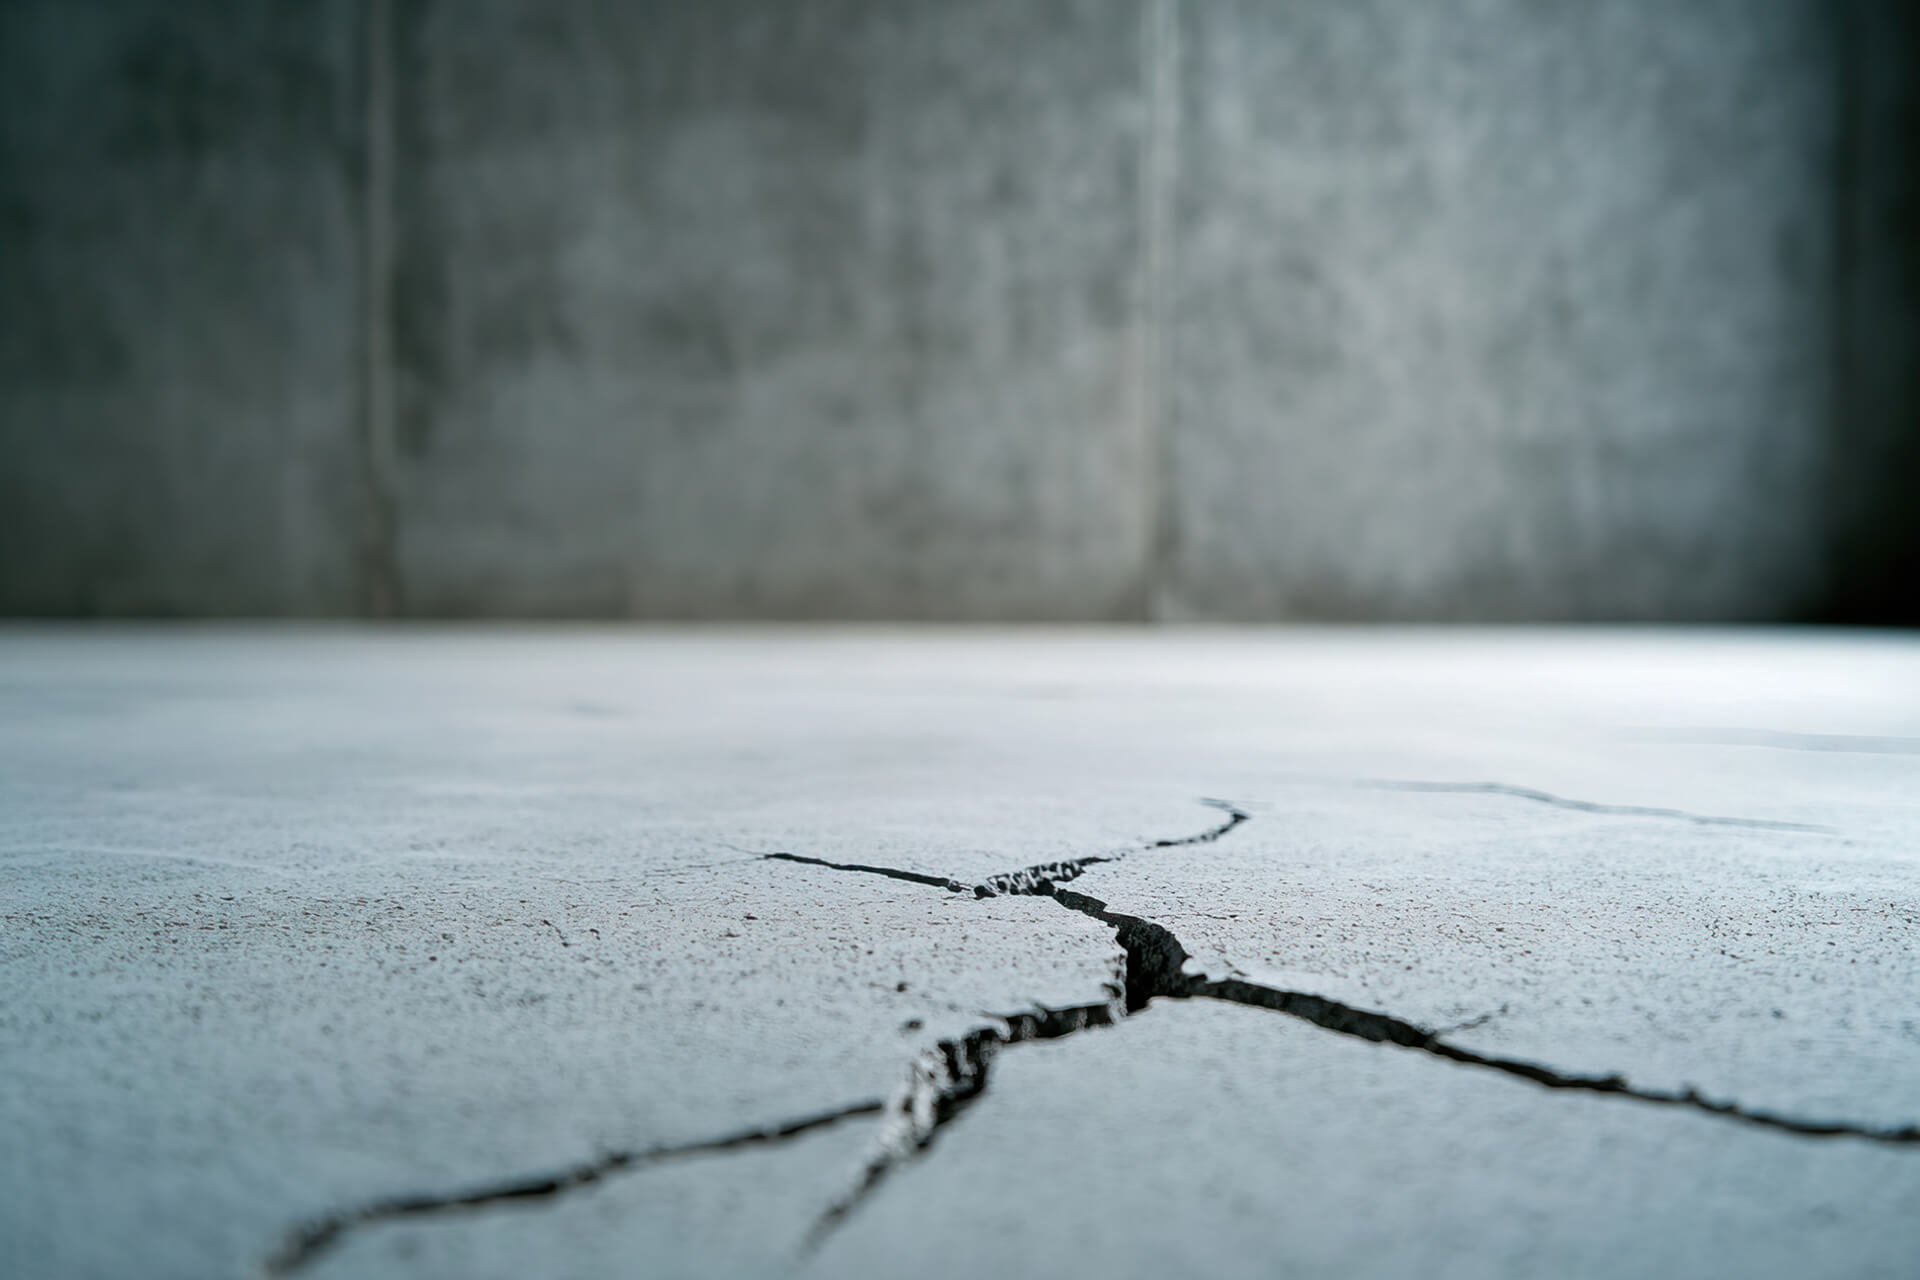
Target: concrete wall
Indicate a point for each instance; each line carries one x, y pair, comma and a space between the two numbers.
917, 308
1502, 309
179, 333
744, 308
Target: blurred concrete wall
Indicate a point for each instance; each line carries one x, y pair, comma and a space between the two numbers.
958, 308
179, 284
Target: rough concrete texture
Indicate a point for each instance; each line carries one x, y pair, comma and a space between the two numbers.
1581, 954
179, 287
1502, 310
1350, 1159
995, 310
752, 309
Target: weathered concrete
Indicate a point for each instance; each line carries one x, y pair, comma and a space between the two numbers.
179, 295
995, 310
299, 922
1502, 310
751, 309
1205, 1139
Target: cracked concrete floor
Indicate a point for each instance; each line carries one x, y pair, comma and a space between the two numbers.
440, 952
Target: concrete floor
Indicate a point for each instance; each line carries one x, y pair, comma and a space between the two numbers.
1579, 953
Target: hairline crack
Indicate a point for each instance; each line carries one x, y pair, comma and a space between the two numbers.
1586, 806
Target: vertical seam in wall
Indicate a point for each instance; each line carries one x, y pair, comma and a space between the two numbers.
1842, 434
380, 594
1158, 176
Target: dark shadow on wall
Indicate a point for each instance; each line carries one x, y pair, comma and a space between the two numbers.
1874, 570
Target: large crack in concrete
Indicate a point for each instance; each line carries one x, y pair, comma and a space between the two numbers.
1160, 956
944, 1081
308, 1241
1038, 878
951, 1075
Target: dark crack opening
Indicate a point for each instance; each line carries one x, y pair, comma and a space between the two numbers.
891, 873
1235, 816
307, 1242
947, 1079
951, 1076
1155, 963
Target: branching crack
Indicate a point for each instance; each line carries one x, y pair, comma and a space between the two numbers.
1473, 1023
944, 1081
307, 1242
1041, 878
1380, 1027
1156, 967
1037, 879
952, 1074
948, 1077
1587, 806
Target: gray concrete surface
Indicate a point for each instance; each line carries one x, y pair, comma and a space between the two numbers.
307, 926
990, 311
1502, 310
738, 310
1350, 1159
179, 308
